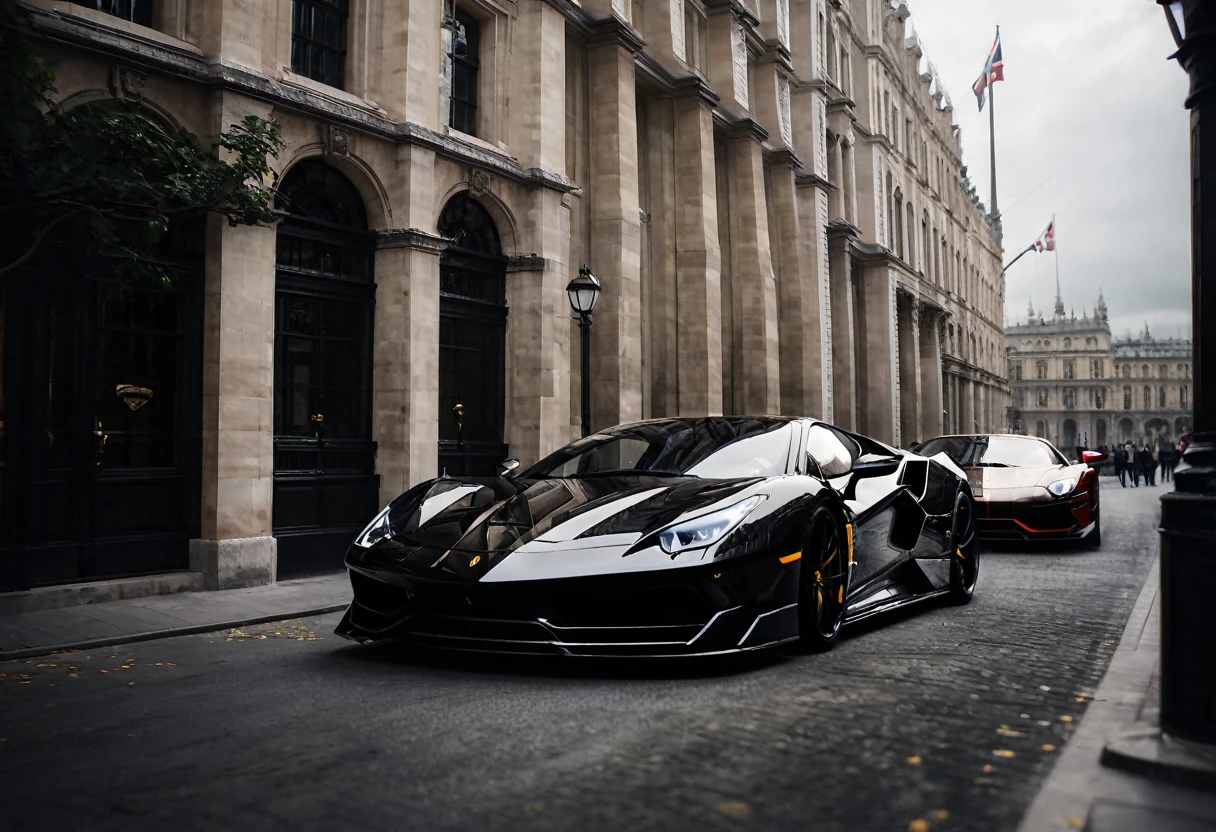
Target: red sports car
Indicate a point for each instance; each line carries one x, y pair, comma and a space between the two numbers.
1024, 488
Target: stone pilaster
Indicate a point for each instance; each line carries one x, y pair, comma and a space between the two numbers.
753, 282
910, 369
844, 314
931, 400
236, 548
967, 394
698, 261
880, 353
616, 359
800, 323
537, 112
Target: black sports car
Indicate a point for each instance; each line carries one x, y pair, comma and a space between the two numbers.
667, 537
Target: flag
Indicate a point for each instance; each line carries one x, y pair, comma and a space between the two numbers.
1047, 240
994, 70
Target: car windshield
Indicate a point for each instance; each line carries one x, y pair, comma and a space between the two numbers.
709, 448
992, 451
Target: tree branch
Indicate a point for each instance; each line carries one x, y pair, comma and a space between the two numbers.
29, 252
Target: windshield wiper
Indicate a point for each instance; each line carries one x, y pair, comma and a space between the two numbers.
617, 472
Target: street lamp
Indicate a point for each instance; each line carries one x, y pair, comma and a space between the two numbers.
1188, 515
584, 293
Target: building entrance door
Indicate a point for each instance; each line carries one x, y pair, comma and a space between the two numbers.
472, 341
325, 482
100, 421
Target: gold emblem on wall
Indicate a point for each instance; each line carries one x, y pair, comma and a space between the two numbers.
133, 396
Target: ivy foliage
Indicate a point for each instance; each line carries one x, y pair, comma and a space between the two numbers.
108, 178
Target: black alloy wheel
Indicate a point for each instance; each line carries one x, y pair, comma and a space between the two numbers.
824, 583
965, 559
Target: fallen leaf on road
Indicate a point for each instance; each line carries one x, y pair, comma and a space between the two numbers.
105, 671
734, 808
941, 814
25, 681
1006, 731
1048, 747
1075, 822
914, 760
1044, 688
1044, 723
129, 684
919, 825
1024, 716
1003, 752
987, 768
171, 664
1065, 718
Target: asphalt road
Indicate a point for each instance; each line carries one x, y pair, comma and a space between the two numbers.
943, 718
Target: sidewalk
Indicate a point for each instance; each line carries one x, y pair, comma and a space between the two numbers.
1081, 793
139, 619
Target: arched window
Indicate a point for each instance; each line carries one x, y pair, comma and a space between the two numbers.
1127, 371
1127, 397
472, 340
1161, 397
1147, 397
325, 484
1143, 371
1162, 371
1041, 370
1067, 343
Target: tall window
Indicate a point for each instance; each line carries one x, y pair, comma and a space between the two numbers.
1162, 371
1017, 371
1100, 398
1070, 397
1161, 397
1127, 398
694, 36
1070, 367
1182, 397
136, 11
318, 40
464, 76
1127, 370
1147, 397
1041, 369
1041, 397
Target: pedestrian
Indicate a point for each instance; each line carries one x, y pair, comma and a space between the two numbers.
1121, 465
1133, 461
1169, 461
1148, 465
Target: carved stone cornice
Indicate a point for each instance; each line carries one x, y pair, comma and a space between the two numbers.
612, 30
747, 128
694, 86
810, 179
411, 238
783, 156
843, 229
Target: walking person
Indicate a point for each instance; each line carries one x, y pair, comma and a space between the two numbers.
1148, 465
1121, 465
1133, 461
1169, 461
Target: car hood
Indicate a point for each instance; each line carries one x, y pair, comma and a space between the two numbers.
501, 515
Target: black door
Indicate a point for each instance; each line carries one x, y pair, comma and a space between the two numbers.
100, 420
325, 484
472, 341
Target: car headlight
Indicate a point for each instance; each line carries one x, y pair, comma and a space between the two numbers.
1060, 488
707, 529
377, 530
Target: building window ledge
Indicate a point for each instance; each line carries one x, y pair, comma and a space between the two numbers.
301, 82
90, 24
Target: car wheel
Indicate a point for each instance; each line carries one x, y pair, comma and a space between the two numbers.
824, 581
965, 562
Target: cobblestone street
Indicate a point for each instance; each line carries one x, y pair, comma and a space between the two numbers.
942, 718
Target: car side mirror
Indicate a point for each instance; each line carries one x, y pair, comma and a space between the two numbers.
508, 468
875, 466
1093, 457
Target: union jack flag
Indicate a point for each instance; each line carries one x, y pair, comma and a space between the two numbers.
994, 70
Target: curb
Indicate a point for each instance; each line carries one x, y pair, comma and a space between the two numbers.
189, 630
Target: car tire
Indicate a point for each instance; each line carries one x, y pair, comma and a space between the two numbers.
965, 557
1094, 538
823, 582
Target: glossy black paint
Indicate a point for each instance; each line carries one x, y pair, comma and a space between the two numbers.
573, 566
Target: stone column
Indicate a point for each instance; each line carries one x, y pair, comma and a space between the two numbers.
836, 174
236, 548
844, 324
848, 175
967, 411
405, 360
754, 283
909, 369
880, 358
931, 376
798, 295
616, 238
698, 261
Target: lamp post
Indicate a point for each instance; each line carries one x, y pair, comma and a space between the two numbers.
584, 293
1188, 515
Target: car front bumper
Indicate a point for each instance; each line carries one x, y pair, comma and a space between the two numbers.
725, 607
1036, 518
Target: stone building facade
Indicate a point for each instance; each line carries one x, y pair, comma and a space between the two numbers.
770, 191
1075, 384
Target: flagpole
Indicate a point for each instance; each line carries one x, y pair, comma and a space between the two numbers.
1055, 240
1022, 254
995, 214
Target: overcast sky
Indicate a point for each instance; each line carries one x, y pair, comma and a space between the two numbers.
1090, 127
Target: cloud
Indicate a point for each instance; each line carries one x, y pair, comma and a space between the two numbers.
1091, 105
